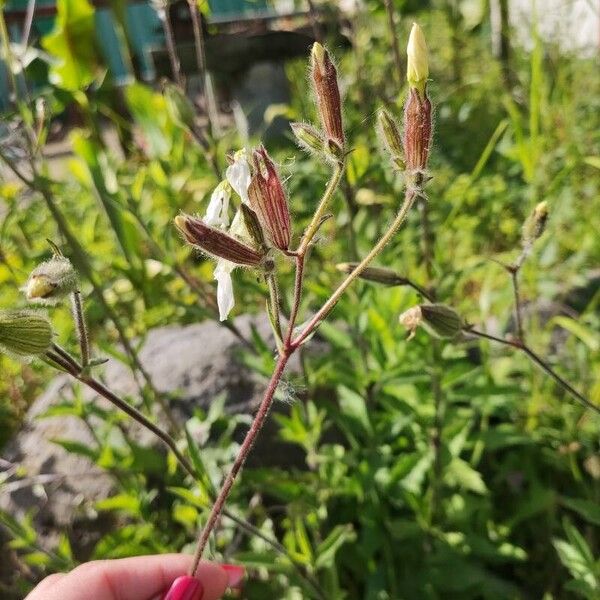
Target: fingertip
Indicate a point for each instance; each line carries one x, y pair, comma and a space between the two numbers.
214, 579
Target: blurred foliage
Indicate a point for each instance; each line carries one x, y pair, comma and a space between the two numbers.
511, 511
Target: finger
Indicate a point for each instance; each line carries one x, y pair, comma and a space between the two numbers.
137, 578
44, 586
214, 580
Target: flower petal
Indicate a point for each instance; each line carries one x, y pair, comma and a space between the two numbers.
217, 211
238, 175
225, 299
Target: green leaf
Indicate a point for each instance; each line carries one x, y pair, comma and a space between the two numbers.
125, 502
327, 549
461, 474
589, 338
72, 43
354, 408
590, 511
77, 448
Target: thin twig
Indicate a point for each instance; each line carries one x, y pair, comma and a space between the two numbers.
314, 21
163, 15
514, 278
540, 362
391, 19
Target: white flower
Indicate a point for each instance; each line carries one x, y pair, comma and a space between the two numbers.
239, 176
417, 65
217, 212
225, 299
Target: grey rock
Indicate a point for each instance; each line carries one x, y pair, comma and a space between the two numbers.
191, 364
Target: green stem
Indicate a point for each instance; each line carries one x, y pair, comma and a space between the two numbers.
409, 200
82, 334
312, 228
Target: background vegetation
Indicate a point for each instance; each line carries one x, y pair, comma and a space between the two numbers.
507, 505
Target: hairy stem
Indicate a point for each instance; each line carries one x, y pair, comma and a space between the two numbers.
63, 359
240, 459
82, 334
409, 200
313, 227
514, 278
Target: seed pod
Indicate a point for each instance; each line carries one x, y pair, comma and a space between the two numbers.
268, 200
417, 64
417, 130
534, 226
24, 333
308, 137
441, 320
438, 319
375, 274
217, 243
390, 133
327, 92
51, 281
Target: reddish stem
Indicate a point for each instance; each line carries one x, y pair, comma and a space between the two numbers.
241, 457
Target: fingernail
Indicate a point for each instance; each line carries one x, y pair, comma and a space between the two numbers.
235, 574
185, 588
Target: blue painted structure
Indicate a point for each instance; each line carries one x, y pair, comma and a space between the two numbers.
144, 31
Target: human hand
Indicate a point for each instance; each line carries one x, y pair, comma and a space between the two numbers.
140, 578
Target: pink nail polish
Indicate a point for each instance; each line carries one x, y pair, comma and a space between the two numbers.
235, 574
185, 588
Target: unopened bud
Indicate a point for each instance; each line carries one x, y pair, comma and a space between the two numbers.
327, 92
417, 65
216, 242
375, 274
535, 224
390, 132
268, 200
24, 334
51, 281
439, 320
308, 137
417, 131
179, 107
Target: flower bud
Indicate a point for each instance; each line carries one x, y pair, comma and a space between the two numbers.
24, 333
417, 65
390, 132
417, 131
375, 274
439, 320
268, 200
51, 281
534, 226
308, 137
217, 243
327, 92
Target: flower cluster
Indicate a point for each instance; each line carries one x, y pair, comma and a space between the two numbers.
261, 222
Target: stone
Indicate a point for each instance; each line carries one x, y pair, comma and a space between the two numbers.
191, 365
